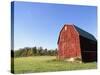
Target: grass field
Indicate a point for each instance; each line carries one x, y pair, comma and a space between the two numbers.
47, 64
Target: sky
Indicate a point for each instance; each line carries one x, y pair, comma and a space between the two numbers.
39, 24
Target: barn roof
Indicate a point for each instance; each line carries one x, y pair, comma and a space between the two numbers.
81, 33
85, 33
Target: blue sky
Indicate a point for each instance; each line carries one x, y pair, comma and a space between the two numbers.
39, 24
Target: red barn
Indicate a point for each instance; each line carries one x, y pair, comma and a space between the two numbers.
75, 42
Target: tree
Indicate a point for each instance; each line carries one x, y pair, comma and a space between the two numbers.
34, 51
40, 49
45, 51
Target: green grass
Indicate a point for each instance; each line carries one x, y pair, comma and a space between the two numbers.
47, 64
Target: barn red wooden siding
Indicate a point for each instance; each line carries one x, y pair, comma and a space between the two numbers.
71, 44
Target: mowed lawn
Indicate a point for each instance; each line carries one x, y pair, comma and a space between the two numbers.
47, 64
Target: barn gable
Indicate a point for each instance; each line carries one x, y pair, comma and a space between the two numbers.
62, 29
68, 42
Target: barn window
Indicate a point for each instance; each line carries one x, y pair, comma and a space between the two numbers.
65, 27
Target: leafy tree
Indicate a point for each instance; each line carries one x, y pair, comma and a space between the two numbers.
34, 51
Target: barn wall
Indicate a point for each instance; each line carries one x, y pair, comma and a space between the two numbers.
69, 44
88, 49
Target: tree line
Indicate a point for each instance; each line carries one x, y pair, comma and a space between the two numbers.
34, 51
